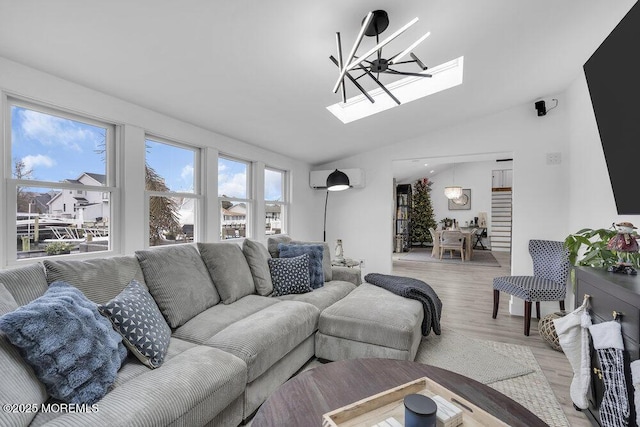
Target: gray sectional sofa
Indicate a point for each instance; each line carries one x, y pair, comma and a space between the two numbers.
231, 344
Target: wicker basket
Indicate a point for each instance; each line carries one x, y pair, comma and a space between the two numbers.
548, 330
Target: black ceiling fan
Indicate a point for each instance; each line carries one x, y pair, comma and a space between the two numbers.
373, 25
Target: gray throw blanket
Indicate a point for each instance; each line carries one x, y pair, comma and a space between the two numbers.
414, 289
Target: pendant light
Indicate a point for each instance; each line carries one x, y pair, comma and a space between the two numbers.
453, 191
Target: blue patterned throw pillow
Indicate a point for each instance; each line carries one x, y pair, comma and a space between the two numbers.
136, 316
71, 347
290, 275
316, 273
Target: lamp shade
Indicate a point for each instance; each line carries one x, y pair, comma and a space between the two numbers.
453, 192
337, 181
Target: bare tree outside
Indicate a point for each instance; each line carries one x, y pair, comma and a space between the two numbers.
20, 171
163, 211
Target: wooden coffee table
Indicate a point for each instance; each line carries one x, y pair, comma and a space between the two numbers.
303, 400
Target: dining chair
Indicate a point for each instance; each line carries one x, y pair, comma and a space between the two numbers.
548, 283
435, 241
452, 240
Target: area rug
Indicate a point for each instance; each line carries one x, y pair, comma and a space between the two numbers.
483, 258
509, 368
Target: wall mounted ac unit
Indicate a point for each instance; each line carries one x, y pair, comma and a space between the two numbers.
318, 179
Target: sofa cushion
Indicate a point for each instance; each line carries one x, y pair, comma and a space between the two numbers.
263, 338
323, 297
135, 315
25, 283
273, 242
290, 275
228, 269
99, 279
19, 383
316, 275
326, 258
194, 384
216, 318
73, 349
179, 281
373, 315
257, 257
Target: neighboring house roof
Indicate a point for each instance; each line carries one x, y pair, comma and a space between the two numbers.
97, 176
100, 179
272, 208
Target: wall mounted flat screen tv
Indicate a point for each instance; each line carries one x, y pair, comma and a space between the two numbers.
613, 77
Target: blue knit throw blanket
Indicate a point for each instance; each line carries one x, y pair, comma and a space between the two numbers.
414, 289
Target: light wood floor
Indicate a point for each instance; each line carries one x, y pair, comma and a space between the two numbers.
467, 296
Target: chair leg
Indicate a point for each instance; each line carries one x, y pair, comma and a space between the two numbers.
562, 305
527, 317
496, 301
538, 309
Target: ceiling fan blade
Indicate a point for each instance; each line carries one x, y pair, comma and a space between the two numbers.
364, 92
420, 63
380, 45
339, 46
402, 54
343, 70
397, 101
403, 73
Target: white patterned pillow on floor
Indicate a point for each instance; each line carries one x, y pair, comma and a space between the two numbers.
290, 275
136, 316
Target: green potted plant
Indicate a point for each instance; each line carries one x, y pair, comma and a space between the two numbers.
596, 253
58, 248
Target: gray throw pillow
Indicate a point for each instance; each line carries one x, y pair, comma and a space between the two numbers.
316, 275
179, 282
273, 242
228, 269
135, 315
326, 258
290, 275
72, 348
257, 257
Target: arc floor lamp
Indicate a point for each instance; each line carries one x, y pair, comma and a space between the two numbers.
336, 181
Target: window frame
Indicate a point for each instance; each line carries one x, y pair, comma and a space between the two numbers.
196, 195
249, 201
111, 185
284, 203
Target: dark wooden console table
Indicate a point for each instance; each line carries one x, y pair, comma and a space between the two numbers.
611, 292
303, 400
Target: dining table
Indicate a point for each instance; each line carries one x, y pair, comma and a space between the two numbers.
467, 233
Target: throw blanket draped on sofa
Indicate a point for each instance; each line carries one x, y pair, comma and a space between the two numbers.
414, 289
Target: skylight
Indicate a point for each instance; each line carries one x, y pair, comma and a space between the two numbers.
445, 76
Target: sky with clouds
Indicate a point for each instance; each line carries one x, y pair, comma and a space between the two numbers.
56, 149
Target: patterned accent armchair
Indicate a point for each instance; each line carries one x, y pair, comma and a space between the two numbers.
548, 283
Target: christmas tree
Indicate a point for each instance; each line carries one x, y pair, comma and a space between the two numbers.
422, 212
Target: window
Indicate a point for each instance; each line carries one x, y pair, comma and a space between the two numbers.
275, 201
234, 196
171, 180
61, 171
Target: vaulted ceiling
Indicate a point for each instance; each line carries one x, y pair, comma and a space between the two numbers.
260, 71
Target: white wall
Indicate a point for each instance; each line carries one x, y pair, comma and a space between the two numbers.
363, 217
25, 82
591, 201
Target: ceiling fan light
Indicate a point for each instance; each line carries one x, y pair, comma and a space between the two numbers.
337, 181
452, 192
